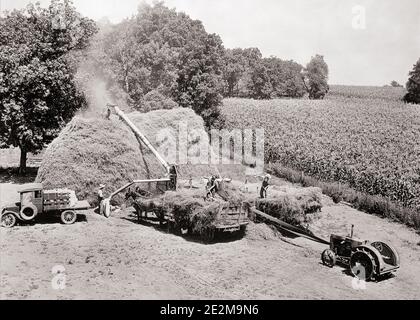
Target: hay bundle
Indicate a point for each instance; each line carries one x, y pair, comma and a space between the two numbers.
188, 208
294, 208
90, 152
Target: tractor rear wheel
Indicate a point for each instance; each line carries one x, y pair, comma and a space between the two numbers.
8, 220
328, 258
362, 265
68, 217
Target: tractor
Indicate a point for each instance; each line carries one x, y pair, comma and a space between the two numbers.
366, 260
35, 202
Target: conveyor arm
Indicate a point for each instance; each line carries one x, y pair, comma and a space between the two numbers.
141, 137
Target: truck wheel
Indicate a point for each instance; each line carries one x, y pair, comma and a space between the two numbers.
68, 217
29, 213
8, 220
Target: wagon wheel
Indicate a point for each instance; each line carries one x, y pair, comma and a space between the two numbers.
242, 231
8, 220
362, 265
68, 217
328, 258
208, 235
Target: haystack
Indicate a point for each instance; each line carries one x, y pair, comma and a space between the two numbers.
295, 208
90, 152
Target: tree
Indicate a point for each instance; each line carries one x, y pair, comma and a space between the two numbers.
316, 77
237, 65
275, 78
37, 92
395, 84
413, 85
166, 51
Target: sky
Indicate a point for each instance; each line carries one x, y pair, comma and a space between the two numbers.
364, 42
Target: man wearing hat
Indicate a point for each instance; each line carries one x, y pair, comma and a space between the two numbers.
264, 187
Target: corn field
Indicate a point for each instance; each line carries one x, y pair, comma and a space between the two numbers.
373, 145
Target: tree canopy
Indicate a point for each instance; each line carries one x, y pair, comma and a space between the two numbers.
166, 51
37, 92
413, 85
316, 77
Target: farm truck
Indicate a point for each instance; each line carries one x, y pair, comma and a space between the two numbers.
230, 218
36, 202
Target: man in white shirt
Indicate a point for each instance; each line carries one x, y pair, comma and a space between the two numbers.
100, 195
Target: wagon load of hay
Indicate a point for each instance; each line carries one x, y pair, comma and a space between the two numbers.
187, 208
90, 152
296, 208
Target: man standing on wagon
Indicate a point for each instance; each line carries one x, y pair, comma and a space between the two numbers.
264, 187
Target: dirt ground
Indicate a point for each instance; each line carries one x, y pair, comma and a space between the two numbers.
118, 258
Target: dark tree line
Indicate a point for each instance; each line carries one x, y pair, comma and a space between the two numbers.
413, 85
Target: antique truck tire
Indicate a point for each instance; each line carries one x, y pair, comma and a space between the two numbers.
8, 220
28, 212
68, 217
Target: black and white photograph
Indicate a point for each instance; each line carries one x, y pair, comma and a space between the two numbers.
237, 151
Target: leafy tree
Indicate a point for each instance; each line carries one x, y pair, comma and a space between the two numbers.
166, 51
276, 78
260, 85
395, 84
316, 77
238, 64
37, 92
413, 85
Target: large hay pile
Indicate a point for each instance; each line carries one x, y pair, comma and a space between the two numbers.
90, 152
295, 208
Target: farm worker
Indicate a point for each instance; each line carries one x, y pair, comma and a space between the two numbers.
264, 187
212, 186
100, 194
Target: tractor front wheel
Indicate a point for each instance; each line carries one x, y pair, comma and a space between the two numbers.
328, 258
68, 217
8, 220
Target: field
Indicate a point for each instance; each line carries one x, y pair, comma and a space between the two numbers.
370, 144
366, 92
118, 258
